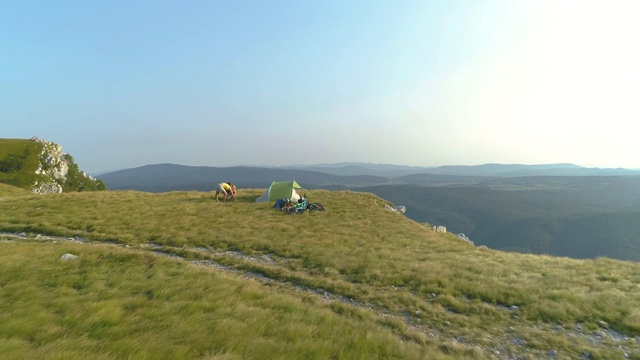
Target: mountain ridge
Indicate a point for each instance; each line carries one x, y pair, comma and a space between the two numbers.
488, 169
167, 177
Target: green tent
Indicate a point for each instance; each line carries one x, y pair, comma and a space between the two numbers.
280, 190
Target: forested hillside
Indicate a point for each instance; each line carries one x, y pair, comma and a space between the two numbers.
584, 217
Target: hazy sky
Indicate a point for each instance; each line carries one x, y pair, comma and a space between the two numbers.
121, 84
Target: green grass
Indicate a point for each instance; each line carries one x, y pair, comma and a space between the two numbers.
407, 290
111, 303
8, 190
21, 158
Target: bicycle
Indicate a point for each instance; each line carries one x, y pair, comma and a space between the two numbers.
298, 208
295, 210
315, 207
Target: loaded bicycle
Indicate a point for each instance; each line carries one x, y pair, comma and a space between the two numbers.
297, 207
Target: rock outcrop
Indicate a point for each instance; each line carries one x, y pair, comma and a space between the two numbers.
52, 166
58, 172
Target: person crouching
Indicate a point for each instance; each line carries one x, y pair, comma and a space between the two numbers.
228, 190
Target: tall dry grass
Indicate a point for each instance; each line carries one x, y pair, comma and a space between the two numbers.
114, 303
420, 282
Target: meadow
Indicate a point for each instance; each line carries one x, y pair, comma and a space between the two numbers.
178, 275
19, 160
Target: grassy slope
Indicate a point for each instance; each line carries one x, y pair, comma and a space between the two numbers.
385, 273
8, 190
112, 303
28, 150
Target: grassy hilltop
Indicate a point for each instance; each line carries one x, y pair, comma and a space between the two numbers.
41, 166
177, 275
19, 162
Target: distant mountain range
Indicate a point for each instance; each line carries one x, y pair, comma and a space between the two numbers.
167, 177
487, 170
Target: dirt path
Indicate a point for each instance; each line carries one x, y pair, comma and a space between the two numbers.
515, 347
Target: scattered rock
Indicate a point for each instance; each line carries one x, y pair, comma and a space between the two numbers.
464, 237
603, 324
400, 209
440, 228
67, 256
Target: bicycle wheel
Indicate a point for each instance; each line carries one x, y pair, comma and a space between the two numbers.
315, 207
291, 210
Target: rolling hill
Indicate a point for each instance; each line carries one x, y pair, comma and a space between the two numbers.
534, 214
129, 274
169, 177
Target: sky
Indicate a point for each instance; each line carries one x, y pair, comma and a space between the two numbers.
122, 84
